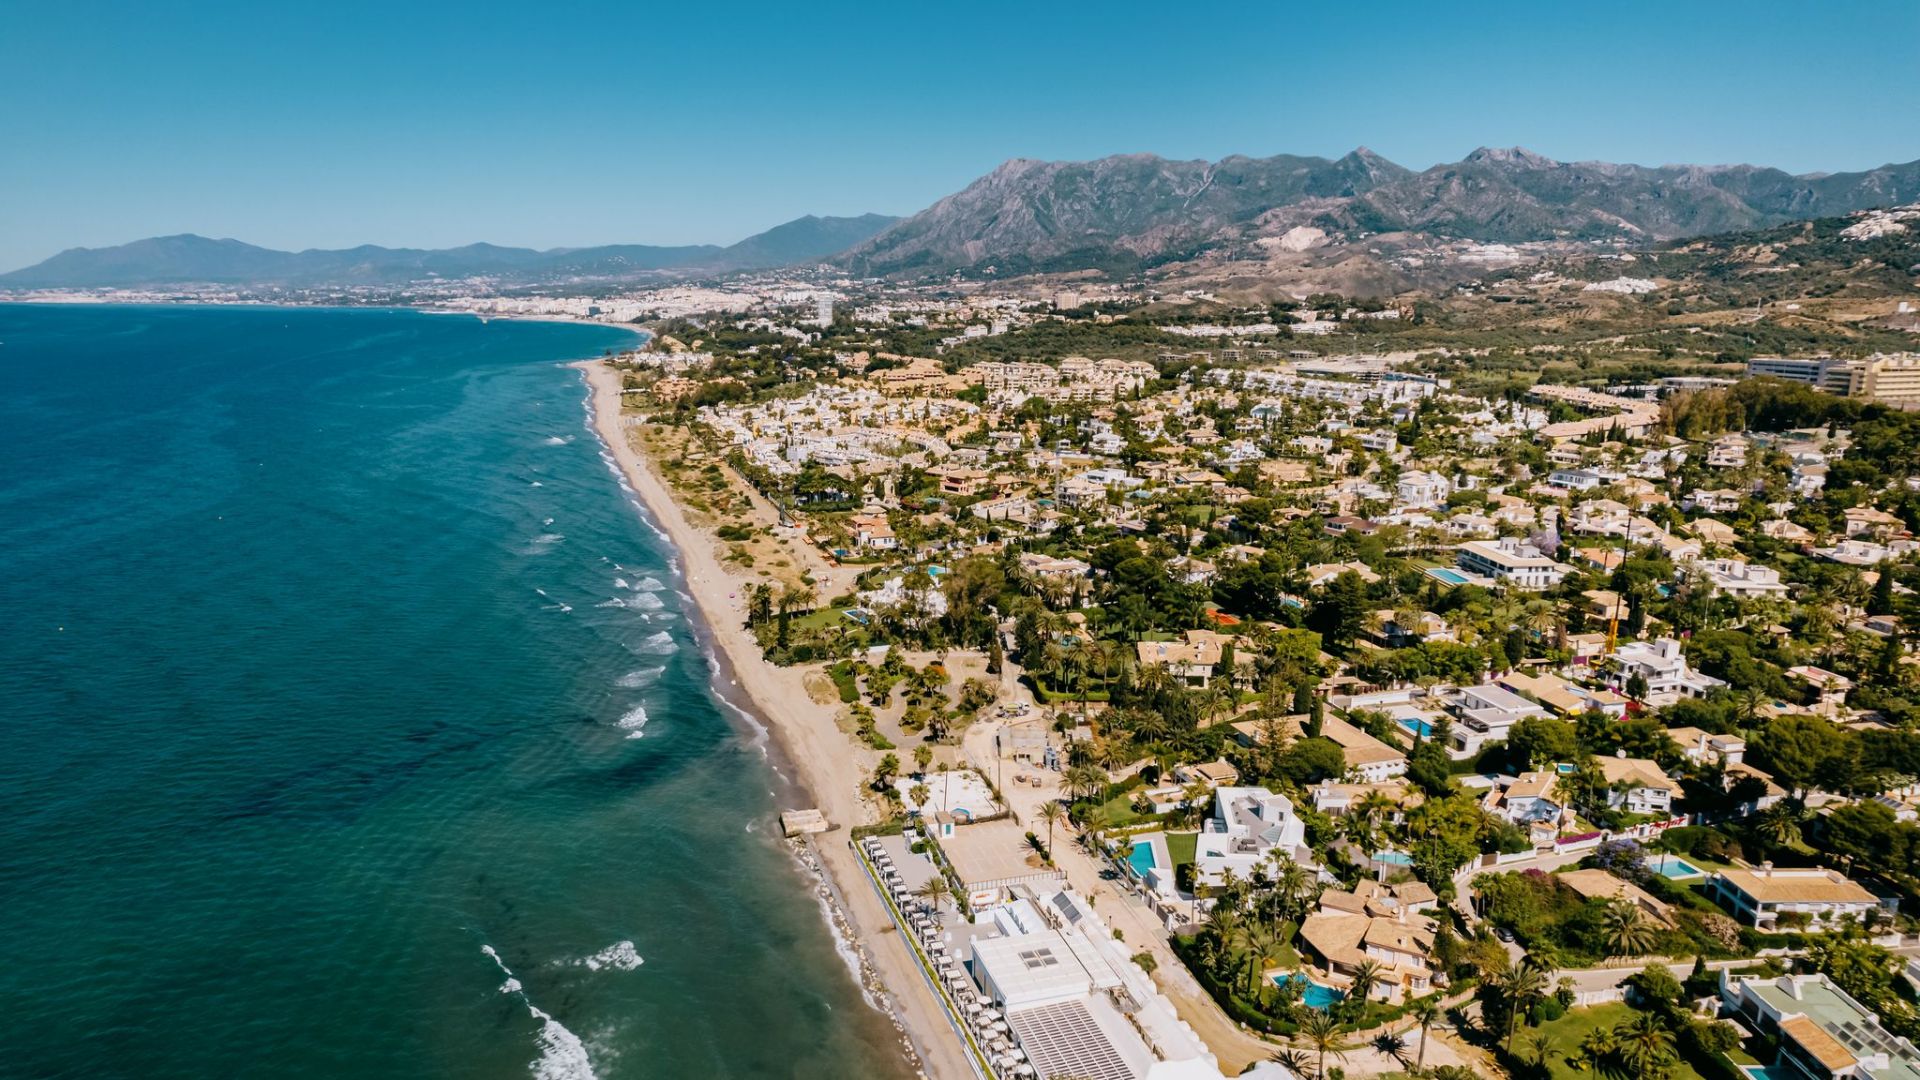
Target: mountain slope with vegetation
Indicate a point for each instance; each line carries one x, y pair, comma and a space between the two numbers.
1134, 211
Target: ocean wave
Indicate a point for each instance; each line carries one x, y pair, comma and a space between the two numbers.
621, 583
619, 956
649, 585
642, 677
548, 539
634, 723
558, 440
646, 601
660, 644
562, 1055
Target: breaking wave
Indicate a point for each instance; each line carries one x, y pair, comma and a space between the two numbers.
562, 1055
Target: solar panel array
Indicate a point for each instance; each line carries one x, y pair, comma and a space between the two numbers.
1063, 1040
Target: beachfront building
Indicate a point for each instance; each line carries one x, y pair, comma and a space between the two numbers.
1248, 825
1762, 895
1074, 1004
990, 859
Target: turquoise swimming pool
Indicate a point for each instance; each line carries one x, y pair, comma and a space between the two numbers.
1313, 995
1451, 577
1418, 727
1674, 867
1141, 858
1393, 858
1771, 1072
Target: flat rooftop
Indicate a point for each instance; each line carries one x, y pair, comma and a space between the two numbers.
989, 853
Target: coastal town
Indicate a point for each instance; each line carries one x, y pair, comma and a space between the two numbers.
1225, 702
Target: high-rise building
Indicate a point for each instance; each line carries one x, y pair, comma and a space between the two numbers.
823, 312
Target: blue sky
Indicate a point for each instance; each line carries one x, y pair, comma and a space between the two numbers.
563, 124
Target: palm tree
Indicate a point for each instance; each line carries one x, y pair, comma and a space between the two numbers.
1391, 1045
1779, 824
1541, 1048
1519, 987
1626, 931
1322, 1035
1598, 1045
1426, 1011
1366, 975
934, 890
1052, 813
1644, 1044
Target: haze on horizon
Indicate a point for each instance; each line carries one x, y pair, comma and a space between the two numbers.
584, 124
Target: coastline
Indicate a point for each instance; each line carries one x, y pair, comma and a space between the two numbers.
807, 734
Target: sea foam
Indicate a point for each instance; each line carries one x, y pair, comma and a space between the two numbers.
562, 1055
634, 723
658, 644
619, 956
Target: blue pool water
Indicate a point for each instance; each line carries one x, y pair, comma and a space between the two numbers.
1141, 857
1393, 858
1418, 727
1673, 866
1314, 996
1770, 1072
1451, 577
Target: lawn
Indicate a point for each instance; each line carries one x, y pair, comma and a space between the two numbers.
1567, 1032
1181, 846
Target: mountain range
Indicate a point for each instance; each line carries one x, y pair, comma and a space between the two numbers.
190, 259
1136, 210
1115, 215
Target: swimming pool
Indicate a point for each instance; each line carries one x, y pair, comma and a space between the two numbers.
1418, 727
1313, 995
1393, 858
1451, 577
1771, 1072
1674, 867
1141, 857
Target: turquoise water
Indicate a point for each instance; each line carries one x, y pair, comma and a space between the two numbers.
1314, 995
1141, 857
1393, 858
1673, 866
1772, 1072
1418, 727
341, 679
1451, 577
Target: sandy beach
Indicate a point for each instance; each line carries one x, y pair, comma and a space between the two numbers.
830, 768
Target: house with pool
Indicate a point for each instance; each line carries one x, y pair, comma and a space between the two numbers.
1374, 923
1248, 825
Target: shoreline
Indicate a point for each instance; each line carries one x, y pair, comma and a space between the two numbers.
804, 732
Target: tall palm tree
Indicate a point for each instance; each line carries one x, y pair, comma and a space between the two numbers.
1626, 930
1426, 1011
1321, 1032
1052, 813
1519, 987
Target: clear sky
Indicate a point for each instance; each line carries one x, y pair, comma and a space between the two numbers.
425, 123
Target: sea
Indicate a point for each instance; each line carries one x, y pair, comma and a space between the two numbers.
353, 723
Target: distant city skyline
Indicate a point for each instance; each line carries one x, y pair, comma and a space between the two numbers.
579, 124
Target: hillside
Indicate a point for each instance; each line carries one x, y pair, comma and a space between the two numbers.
1125, 213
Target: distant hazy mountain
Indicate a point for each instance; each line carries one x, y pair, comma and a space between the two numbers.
1125, 212
189, 259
